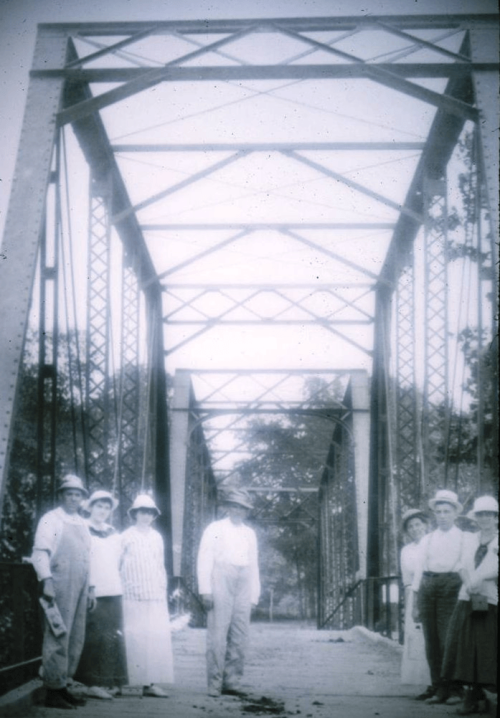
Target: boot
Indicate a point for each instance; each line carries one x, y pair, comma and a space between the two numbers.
55, 699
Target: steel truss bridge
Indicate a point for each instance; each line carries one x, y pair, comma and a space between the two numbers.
138, 190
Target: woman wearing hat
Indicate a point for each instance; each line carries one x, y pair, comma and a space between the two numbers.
147, 622
414, 666
437, 583
471, 651
229, 584
103, 662
61, 558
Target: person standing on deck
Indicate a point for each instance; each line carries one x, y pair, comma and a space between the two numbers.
414, 667
229, 584
103, 662
148, 639
437, 583
61, 558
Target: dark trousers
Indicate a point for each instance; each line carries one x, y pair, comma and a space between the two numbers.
436, 600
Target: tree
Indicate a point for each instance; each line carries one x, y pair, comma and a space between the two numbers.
290, 452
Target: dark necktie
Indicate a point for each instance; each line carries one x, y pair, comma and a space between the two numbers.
481, 552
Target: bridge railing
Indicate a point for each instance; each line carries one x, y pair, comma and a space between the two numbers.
375, 603
20, 625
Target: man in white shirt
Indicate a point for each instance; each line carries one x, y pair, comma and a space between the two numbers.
229, 585
436, 584
61, 558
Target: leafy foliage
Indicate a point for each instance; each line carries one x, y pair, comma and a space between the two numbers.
290, 451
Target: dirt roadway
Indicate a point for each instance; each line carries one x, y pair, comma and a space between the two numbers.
300, 672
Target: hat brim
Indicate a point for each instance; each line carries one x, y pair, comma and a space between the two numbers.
114, 503
418, 515
238, 503
84, 492
456, 504
133, 509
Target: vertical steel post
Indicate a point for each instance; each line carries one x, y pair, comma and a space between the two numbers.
436, 401
127, 461
24, 225
360, 404
160, 427
48, 329
406, 435
179, 443
484, 47
98, 340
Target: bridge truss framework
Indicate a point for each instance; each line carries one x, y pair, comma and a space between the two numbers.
172, 447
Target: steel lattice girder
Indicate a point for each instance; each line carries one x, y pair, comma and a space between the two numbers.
406, 398
436, 317
129, 396
52, 43
98, 337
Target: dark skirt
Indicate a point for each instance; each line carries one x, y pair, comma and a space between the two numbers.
103, 660
471, 646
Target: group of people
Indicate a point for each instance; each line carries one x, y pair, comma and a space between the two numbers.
107, 622
450, 578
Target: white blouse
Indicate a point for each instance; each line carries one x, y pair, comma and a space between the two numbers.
410, 555
142, 565
105, 553
485, 576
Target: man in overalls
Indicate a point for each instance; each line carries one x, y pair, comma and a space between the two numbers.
228, 581
61, 558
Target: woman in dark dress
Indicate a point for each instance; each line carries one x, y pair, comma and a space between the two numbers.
103, 665
471, 652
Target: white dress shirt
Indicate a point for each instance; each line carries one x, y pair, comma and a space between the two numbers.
441, 553
224, 542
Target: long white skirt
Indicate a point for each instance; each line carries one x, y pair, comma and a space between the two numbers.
148, 642
414, 666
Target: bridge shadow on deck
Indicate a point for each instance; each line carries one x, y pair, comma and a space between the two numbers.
303, 672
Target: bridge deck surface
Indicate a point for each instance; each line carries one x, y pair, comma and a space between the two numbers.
303, 672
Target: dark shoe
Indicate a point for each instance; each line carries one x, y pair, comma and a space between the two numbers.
484, 706
468, 709
55, 699
440, 696
234, 692
428, 693
454, 698
71, 698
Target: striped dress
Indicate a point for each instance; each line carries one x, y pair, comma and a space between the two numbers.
145, 609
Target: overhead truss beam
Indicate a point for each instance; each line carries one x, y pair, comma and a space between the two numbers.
271, 146
304, 24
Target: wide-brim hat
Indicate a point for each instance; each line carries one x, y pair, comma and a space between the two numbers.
143, 501
100, 495
238, 496
443, 496
485, 503
70, 481
413, 514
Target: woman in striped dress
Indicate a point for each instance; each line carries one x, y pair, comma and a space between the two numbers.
145, 608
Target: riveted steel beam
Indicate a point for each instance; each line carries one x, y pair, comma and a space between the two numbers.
24, 225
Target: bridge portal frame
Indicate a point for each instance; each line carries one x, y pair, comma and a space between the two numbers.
59, 94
